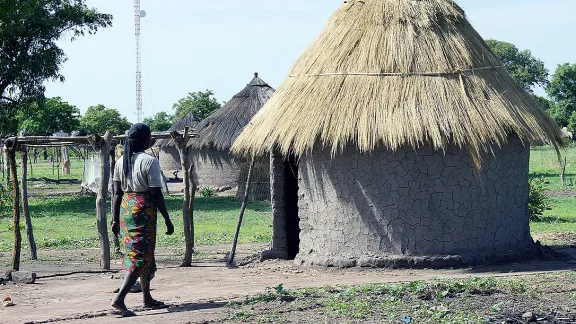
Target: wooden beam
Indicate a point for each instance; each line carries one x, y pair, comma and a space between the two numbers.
11, 145
181, 142
101, 145
26, 208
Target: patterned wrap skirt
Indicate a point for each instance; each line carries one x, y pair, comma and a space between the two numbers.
138, 222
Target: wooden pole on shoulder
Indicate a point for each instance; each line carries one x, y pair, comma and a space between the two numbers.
102, 146
26, 208
11, 146
242, 210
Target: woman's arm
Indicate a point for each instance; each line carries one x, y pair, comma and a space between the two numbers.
117, 195
158, 199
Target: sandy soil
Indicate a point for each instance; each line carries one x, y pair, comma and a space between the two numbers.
200, 293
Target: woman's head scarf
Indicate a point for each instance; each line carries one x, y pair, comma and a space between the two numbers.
136, 141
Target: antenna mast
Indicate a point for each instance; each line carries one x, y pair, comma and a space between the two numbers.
137, 15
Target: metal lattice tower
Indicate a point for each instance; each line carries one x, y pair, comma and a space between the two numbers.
137, 16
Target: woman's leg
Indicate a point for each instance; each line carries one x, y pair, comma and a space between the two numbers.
129, 281
147, 299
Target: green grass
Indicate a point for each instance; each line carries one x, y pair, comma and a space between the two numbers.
45, 170
544, 164
69, 222
560, 218
470, 300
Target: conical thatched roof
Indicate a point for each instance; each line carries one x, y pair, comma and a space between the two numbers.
222, 127
189, 120
394, 73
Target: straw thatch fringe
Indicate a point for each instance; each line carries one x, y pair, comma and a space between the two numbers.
222, 127
403, 39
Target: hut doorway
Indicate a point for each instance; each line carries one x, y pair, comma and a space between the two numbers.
291, 207
286, 220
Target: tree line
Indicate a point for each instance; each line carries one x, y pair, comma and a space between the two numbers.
529, 72
51, 115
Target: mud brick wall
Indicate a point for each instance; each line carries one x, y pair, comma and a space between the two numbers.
260, 182
214, 168
169, 160
360, 207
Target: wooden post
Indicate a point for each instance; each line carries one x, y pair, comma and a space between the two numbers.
242, 209
10, 146
2, 161
102, 147
563, 175
187, 214
31, 171
112, 167
26, 208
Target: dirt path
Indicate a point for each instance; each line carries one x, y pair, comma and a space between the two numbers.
199, 294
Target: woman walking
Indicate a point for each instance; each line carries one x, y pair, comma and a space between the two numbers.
136, 201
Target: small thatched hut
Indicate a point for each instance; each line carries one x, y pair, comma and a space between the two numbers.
168, 154
215, 165
398, 138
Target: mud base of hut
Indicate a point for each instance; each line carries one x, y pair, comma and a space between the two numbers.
535, 251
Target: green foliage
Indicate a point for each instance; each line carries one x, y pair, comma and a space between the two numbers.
538, 201
200, 104
562, 87
562, 112
50, 116
99, 119
207, 192
161, 122
572, 123
544, 102
527, 70
5, 200
29, 52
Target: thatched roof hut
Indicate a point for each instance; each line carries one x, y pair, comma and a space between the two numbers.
409, 137
220, 129
168, 154
216, 166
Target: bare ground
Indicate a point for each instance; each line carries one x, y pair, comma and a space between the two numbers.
199, 294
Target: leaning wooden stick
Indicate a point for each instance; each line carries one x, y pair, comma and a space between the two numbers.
242, 209
26, 207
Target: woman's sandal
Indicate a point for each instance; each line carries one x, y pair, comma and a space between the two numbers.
124, 312
156, 305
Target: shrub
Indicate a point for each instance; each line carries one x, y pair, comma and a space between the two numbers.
538, 201
5, 200
207, 192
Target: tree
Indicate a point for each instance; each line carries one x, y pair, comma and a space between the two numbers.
563, 84
200, 104
49, 116
29, 54
545, 103
527, 70
160, 122
562, 112
99, 119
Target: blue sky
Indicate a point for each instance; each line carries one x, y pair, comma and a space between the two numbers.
192, 45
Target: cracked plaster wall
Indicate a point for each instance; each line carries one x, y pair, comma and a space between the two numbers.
215, 168
416, 203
